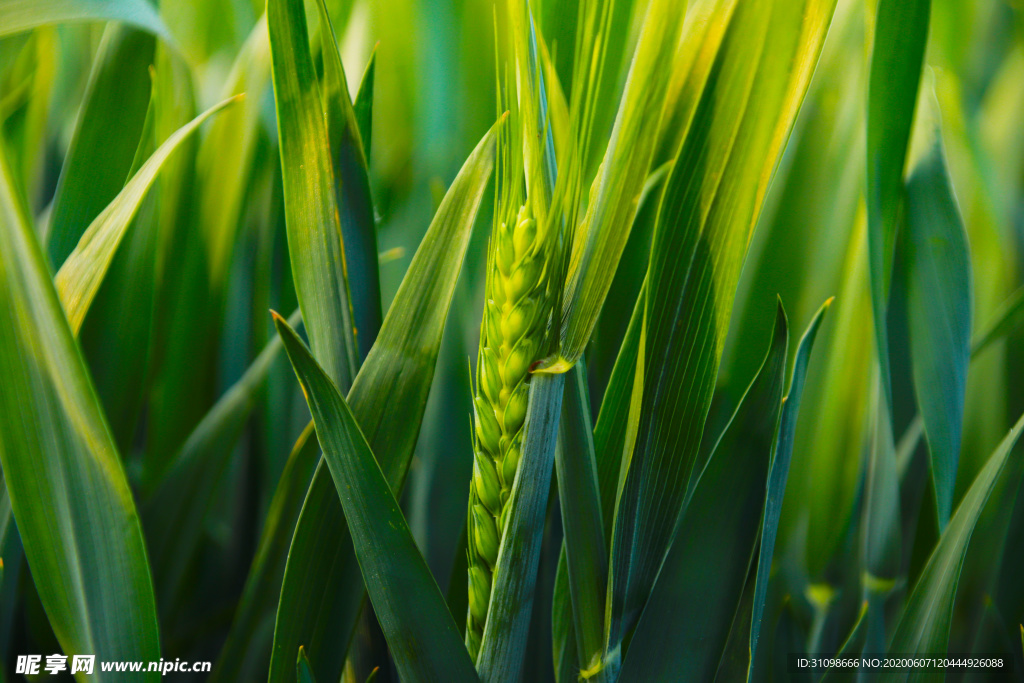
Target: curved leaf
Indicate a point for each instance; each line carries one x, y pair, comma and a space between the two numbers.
421, 634
80, 277
22, 15
322, 594
97, 163
924, 625
68, 491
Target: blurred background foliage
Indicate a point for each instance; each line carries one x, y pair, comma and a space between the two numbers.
201, 318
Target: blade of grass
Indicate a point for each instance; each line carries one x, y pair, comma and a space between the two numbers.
97, 163
315, 244
421, 634
940, 296
363, 105
579, 499
778, 476
352, 189
68, 490
80, 277
600, 240
321, 594
712, 199
706, 569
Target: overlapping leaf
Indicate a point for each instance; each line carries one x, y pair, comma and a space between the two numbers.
68, 490
322, 592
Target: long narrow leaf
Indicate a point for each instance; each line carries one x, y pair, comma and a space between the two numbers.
322, 593
68, 490
778, 475
311, 210
706, 569
421, 634
80, 277
925, 623
22, 15
939, 301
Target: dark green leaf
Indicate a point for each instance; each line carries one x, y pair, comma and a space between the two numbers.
580, 501
706, 569
421, 635
352, 189
363, 105
311, 208
98, 163
322, 592
939, 300
778, 475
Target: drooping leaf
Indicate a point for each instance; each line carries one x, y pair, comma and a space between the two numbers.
421, 634
67, 487
80, 277
939, 303
925, 622
706, 569
98, 163
778, 475
22, 15
322, 592
315, 245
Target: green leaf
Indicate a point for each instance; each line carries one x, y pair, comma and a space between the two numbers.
778, 475
68, 491
421, 634
939, 299
80, 277
23, 15
707, 566
580, 501
515, 574
712, 199
246, 652
175, 515
97, 163
363, 104
925, 622
322, 593
303, 671
601, 238
352, 189
901, 35
311, 209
